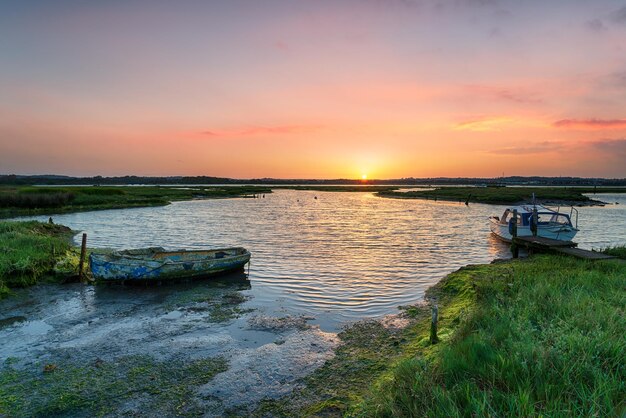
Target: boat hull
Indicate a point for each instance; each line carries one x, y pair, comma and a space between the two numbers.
557, 232
156, 265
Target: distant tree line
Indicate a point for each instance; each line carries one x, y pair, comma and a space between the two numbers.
13, 179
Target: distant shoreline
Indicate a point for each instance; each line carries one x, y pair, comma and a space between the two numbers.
16, 201
507, 195
536, 181
591, 202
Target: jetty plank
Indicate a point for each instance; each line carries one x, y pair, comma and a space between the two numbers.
542, 242
563, 247
585, 254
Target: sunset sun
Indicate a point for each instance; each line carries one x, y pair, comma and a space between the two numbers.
364, 177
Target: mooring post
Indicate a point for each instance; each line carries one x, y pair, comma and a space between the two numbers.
433, 324
535, 221
83, 251
514, 247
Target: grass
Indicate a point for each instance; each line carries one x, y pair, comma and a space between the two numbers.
534, 337
31, 200
133, 385
503, 195
29, 252
619, 252
541, 337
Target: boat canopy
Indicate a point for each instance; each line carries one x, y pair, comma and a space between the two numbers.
545, 215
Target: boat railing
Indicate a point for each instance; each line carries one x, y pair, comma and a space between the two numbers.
571, 213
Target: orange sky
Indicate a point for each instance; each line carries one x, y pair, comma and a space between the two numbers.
322, 89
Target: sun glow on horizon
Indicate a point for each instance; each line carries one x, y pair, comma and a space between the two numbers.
364, 177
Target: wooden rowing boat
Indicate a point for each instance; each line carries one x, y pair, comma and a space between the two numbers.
155, 264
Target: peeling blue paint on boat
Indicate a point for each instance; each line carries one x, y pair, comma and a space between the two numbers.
158, 264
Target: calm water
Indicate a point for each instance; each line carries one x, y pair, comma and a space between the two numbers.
340, 257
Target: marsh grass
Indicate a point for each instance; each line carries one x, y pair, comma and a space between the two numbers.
31, 200
542, 337
499, 195
29, 252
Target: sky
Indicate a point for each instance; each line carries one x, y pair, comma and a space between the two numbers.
313, 88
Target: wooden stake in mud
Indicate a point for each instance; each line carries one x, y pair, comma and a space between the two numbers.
433, 324
83, 251
514, 247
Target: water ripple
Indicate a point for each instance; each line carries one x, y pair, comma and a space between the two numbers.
340, 257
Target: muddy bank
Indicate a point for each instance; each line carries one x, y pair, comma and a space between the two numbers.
192, 348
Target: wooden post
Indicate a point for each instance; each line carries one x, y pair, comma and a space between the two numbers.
535, 221
514, 247
83, 251
433, 324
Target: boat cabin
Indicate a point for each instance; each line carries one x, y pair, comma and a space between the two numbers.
545, 216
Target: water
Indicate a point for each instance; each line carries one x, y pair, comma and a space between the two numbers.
338, 257
317, 264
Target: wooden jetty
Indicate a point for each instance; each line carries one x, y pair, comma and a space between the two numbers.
536, 243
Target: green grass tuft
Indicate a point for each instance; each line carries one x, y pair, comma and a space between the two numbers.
619, 252
29, 252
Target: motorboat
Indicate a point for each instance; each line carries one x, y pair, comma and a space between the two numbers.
549, 223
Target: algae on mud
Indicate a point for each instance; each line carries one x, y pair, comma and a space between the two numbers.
539, 336
132, 385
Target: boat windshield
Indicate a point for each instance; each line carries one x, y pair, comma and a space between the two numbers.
553, 218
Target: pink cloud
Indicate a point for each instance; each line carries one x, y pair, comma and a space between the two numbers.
484, 124
506, 94
538, 148
262, 130
590, 123
615, 147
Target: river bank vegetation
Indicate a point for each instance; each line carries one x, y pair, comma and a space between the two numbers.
32, 200
30, 252
531, 337
507, 195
